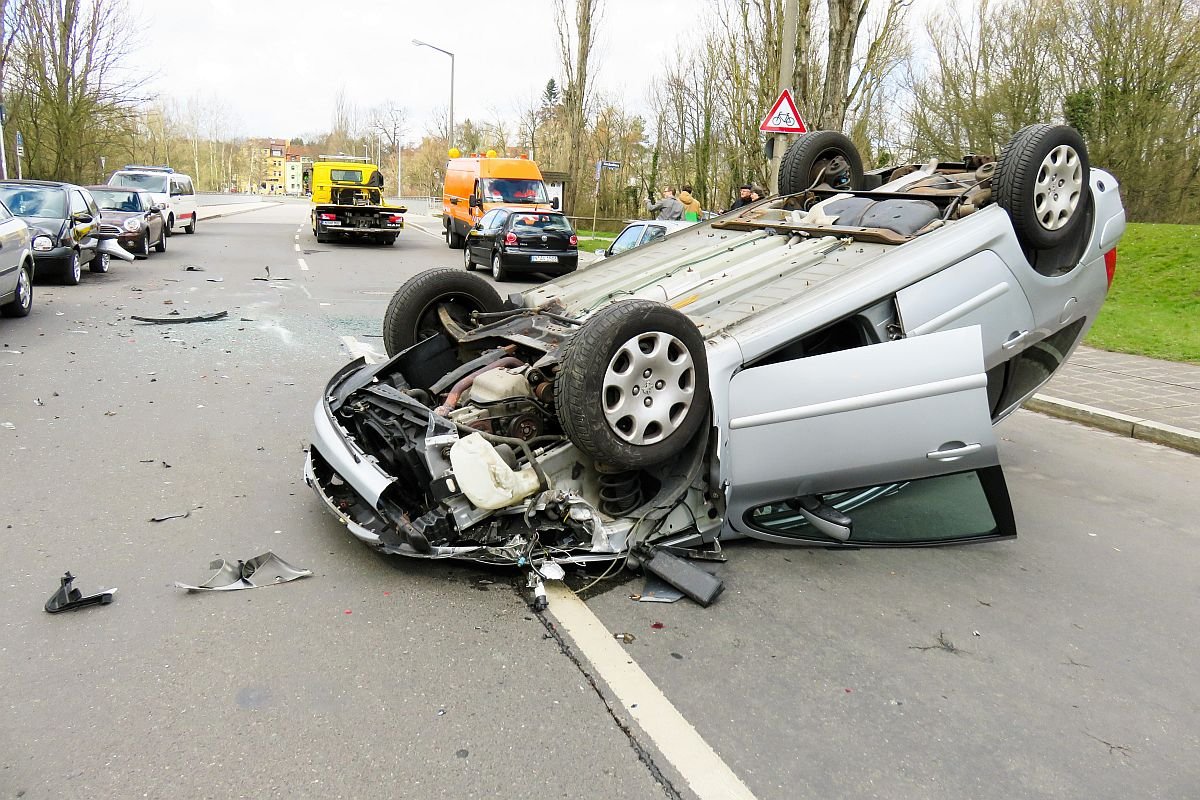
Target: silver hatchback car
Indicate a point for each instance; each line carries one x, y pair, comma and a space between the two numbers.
824, 367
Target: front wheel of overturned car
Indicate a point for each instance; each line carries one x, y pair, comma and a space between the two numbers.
416, 310
632, 385
1041, 180
818, 157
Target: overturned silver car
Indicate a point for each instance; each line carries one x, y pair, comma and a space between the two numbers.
824, 367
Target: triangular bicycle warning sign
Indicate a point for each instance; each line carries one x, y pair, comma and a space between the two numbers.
783, 116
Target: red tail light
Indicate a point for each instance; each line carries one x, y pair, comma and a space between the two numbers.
327, 216
574, 240
394, 218
1110, 265
510, 238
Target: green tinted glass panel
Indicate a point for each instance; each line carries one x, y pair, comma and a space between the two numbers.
931, 510
346, 175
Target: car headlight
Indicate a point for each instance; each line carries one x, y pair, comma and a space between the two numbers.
133, 224
43, 243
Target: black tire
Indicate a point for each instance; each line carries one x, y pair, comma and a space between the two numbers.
161, 247
454, 240
191, 226
99, 263
322, 237
806, 159
389, 240
589, 404
468, 262
23, 301
169, 225
1041, 180
72, 271
499, 273
143, 245
412, 314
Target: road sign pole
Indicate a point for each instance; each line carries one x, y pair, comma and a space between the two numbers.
3, 157
787, 66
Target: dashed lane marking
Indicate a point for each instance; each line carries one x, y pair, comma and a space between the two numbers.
303, 264
358, 348
705, 772
296, 247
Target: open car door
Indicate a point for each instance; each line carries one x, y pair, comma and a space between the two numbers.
885, 444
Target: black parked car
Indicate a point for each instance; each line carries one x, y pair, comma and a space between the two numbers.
134, 217
62, 218
512, 240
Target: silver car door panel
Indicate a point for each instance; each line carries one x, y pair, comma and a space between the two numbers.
981, 290
878, 414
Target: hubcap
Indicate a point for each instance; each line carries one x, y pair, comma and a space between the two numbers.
75, 266
467, 257
1058, 187
648, 388
24, 296
496, 267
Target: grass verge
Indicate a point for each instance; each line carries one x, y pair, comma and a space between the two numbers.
1153, 308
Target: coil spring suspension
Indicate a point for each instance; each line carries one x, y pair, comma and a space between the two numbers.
620, 492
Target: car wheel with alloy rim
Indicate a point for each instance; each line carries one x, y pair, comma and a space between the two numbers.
498, 270
100, 263
143, 247
22, 301
468, 262
72, 272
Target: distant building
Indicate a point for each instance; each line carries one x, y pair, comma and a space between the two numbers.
274, 153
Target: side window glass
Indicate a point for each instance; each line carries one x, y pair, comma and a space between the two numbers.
188, 189
93, 209
501, 218
628, 239
78, 204
486, 221
4, 212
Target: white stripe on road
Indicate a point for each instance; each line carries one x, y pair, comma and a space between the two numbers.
303, 264
307, 293
427, 233
707, 775
358, 348
296, 247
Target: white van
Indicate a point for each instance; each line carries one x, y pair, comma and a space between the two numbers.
168, 188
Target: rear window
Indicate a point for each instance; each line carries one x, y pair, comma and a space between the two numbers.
143, 181
34, 201
346, 175
541, 223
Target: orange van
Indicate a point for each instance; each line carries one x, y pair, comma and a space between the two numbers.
476, 185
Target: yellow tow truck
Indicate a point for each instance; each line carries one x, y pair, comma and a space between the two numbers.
347, 196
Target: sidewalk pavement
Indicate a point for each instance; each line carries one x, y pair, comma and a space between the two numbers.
1144, 398
229, 209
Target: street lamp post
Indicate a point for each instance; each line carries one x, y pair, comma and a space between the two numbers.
450, 133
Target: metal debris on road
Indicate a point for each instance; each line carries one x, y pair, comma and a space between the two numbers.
263, 570
181, 319
68, 598
176, 515
193, 268
627, 638
658, 591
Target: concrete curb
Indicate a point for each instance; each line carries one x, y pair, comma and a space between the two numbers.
233, 211
1123, 424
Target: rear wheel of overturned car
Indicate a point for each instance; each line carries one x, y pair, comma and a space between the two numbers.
1041, 180
820, 157
632, 385
417, 308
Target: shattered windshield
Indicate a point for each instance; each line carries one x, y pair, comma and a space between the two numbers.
34, 201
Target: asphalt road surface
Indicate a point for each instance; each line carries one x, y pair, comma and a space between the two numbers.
1060, 665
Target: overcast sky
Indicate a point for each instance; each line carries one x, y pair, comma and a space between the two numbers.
277, 66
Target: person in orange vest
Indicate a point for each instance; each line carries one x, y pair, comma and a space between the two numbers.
691, 206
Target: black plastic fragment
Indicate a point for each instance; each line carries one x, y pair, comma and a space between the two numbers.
68, 598
181, 319
701, 586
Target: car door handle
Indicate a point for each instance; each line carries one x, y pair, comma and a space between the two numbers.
952, 453
1014, 340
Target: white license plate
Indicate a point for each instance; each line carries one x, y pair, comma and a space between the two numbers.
329, 223
544, 259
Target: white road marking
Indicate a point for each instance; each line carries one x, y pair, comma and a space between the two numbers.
707, 775
307, 293
358, 348
303, 264
296, 247
427, 233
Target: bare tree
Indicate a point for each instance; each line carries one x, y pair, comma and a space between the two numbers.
576, 39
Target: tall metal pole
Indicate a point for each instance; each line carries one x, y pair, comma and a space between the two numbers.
787, 67
450, 132
3, 157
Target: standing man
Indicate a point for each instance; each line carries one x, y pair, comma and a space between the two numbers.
691, 206
668, 207
743, 198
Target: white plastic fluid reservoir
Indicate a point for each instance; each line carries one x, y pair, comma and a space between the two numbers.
499, 384
483, 476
